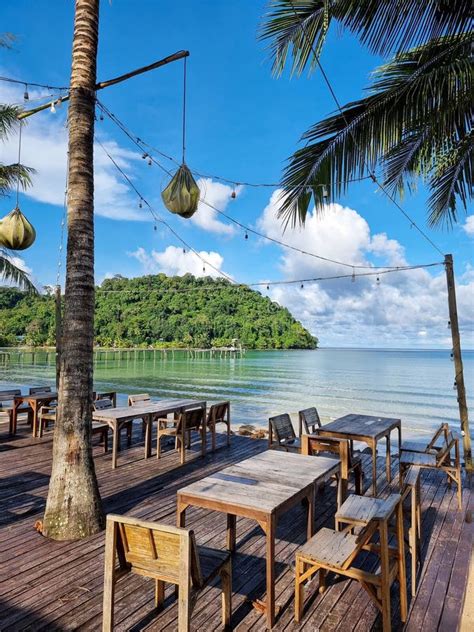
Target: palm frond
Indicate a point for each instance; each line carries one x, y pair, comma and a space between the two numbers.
8, 119
453, 178
10, 272
428, 88
299, 27
10, 174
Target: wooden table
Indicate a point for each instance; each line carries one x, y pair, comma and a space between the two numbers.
35, 402
368, 429
261, 488
148, 411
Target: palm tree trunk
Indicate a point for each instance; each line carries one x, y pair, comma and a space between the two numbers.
73, 508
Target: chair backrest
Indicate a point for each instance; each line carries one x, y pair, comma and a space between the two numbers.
35, 390
313, 444
190, 419
155, 550
443, 430
102, 404
446, 451
9, 396
138, 399
309, 420
219, 412
282, 428
112, 395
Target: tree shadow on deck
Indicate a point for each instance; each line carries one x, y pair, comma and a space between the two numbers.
16, 501
15, 619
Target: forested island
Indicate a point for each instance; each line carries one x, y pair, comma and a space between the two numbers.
160, 311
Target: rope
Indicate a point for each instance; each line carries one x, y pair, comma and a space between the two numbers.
184, 107
19, 163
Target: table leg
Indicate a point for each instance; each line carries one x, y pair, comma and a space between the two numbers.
115, 438
203, 436
374, 468
34, 406
231, 532
310, 524
181, 514
148, 427
14, 417
270, 563
388, 461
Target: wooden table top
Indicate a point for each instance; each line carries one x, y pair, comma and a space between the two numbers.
262, 483
159, 406
354, 425
38, 396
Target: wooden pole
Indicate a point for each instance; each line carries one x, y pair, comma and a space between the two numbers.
457, 357
58, 315
110, 82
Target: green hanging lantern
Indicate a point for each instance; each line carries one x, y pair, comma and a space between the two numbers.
16, 232
181, 196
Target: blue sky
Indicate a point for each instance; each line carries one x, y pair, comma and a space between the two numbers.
242, 124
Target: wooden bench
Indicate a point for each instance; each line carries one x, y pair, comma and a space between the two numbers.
166, 554
336, 551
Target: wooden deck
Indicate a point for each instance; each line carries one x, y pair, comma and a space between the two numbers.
57, 586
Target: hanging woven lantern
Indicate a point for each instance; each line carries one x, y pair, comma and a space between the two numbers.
181, 196
16, 232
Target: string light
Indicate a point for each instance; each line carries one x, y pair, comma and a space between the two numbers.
302, 286
455, 385
452, 355
144, 156
378, 279
233, 195
26, 96
353, 277
140, 204
52, 108
150, 162
268, 287
246, 236
449, 324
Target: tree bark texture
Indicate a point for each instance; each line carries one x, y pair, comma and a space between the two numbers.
73, 508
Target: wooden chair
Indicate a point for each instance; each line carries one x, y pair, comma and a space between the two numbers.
6, 406
180, 429
337, 551
35, 390
282, 429
309, 421
47, 415
433, 446
350, 464
112, 395
168, 555
217, 414
439, 461
103, 404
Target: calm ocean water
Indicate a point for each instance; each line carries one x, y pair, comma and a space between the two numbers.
416, 386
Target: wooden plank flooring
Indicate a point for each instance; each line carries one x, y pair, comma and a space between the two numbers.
56, 586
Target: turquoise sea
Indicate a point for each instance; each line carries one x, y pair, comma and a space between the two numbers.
416, 386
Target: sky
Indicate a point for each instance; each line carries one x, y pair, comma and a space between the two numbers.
242, 125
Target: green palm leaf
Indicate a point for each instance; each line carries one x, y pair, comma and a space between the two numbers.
9, 271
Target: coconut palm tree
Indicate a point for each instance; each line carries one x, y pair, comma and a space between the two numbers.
416, 120
9, 177
73, 508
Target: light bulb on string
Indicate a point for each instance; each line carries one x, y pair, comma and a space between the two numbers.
268, 287
301, 286
455, 385
353, 278
378, 280
204, 269
140, 204
246, 236
184, 251
26, 96
144, 156
452, 355
449, 324
155, 227
52, 108
150, 162
233, 195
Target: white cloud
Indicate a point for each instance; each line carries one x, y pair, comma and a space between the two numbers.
174, 262
218, 195
404, 309
44, 147
469, 225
